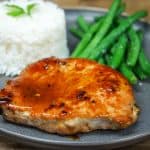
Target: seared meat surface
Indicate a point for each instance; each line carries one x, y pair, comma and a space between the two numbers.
68, 96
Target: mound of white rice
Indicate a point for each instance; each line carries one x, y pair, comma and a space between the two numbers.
26, 39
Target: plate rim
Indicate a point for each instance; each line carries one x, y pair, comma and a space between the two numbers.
133, 139
96, 9
126, 141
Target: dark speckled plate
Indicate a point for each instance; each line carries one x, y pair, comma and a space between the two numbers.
97, 139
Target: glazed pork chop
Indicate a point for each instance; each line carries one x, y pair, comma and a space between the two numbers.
68, 96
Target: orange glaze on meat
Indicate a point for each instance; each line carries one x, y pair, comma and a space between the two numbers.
69, 88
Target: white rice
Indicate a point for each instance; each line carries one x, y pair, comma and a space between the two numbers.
26, 39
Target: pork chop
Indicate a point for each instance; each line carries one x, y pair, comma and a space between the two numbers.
68, 96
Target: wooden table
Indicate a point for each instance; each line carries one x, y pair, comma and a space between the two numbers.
132, 5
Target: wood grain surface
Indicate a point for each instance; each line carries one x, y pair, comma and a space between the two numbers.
132, 5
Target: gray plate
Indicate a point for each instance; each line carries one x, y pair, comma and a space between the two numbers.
96, 139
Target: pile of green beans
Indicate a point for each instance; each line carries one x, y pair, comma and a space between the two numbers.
113, 41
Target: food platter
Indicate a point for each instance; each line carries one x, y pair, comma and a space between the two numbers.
96, 139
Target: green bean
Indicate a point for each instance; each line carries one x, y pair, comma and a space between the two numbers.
108, 59
144, 62
140, 34
134, 49
121, 9
97, 18
113, 49
128, 73
83, 24
112, 36
78, 33
139, 72
95, 26
101, 60
82, 45
118, 55
108, 20
86, 39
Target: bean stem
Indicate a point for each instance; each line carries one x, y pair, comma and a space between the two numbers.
78, 33
83, 24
